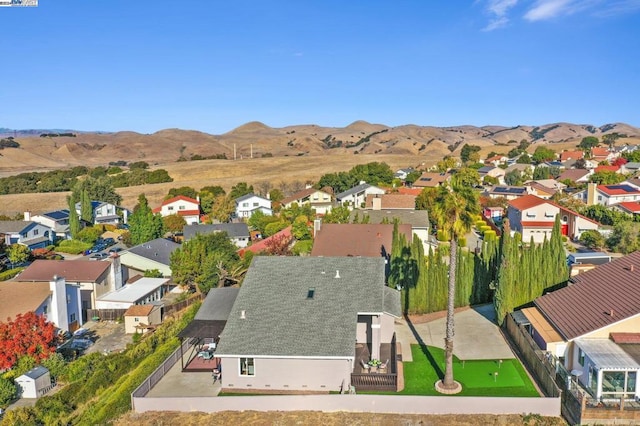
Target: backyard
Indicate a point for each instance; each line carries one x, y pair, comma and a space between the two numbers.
478, 377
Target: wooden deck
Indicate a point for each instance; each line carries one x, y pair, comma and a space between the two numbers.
366, 380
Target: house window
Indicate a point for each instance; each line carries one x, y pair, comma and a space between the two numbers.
618, 382
170, 208
44, 309
531, 215
72, 318
581, 357
136, 319
68, 299
245, 204
35, 232
311, 293
255, 204
182, 207
247, 367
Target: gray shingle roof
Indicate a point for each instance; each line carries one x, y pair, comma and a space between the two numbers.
36, 372
14, 226
353, 190
281, 321
218, 304
247, 196
158, 250
233, 230
415, 218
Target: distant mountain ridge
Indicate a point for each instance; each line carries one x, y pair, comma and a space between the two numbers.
255, 139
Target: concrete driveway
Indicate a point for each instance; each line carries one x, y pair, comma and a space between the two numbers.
476, 335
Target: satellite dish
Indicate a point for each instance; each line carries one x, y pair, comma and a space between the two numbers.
576, 373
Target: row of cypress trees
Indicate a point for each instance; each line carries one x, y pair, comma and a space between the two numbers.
505, 271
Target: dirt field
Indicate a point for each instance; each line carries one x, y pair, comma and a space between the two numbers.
309, 418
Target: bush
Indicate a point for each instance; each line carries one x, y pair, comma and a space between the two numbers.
73, 246
8, 391
302, 247
490, 235
90, 234
485, 228
462, 242
442, 235
11, 273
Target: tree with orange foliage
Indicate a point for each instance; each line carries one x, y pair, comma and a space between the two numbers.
29, 334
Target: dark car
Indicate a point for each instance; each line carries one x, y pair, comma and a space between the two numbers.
98, 256
115, 249
109, 242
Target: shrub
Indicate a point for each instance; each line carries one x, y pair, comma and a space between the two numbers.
302, 247
442, 235
90, 234
485, 228
480, 224
8, 391
11, 273
490, 235
73, 246
462, 242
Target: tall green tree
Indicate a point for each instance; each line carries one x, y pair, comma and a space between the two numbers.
86, 209
454, 212
74, 220
143, 224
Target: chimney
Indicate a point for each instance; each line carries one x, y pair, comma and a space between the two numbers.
591, 193
27, 216
308, 186
377, 203
58, 314
362, 182
243, 314
631, 268
611, 313
317, 225
337, 274
116, 278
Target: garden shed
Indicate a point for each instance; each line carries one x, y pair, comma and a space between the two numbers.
34, 383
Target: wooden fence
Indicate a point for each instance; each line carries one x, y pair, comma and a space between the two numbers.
105, 314
176, 307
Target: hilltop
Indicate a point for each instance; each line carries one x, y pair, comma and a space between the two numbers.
258, 140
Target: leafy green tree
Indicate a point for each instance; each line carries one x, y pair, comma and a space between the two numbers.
610, 139
86, 209
74, 220
240, 189
412, 177
301, 229
542, 154
633, 156
274, 227
89, 234
100, 189
446, 163
454, 212
153, 273
604, 215
513, 177
467, 176
213, 190
373, 173
427, 199
56, 365
23, 416
17, 253
469, 153
174, 223
338, 214
223, 208
588, 142
259, 221
8, 391
625, 237
541, 172
607, 177
276, 195
143, 224
139, 165
490, 180
592, 239
185, 191
524, 159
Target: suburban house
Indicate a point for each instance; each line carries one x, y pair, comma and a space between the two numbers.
390, 202
593, 326
534, 217
492, 171
418, 219
539, 190
310, 330
507, 192
432, 179
356, 196
319, 199
154, 254
248, 204
28, 233
571, 155
92, 278
34, 383
58, 220
602, 154
632, 166
140, 292
629, 207
403, 173
238, 233
56, 299
357, 240
575, 175
186, 207
608, 195
142, 318
496, 160
106, 213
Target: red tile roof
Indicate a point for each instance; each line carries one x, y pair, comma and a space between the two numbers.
409, 191
625, 338
366, 240
526, 202
630, 206
606, 169
537, 224
71, 270
571, 155
261, 246
495, 158
174, 199
620, 189
598, 298
599, 152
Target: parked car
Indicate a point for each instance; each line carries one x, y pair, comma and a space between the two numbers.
109, 242
98, 256
115, 249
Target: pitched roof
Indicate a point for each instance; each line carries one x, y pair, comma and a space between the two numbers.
158, 250
606, 169
349, 239
487, 169
233, 230
573, 174
354, 190
599, 152
607, 294
36, 372
392, 201
263, 245
248, 196
625, 338
218, 304
410, 191
14, 226
302, 194
528, 201
132, 293
57, 214
415, 218
431, 179
540, 187
71, 270
495, 158
280, 319
620, 189
140, 310
508, 190
180, 198
571, 155
630, 206
20, 298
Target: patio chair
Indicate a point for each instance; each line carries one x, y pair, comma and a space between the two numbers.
365, 367
383, 367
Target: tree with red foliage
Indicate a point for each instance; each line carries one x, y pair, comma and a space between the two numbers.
278, 245
620, 161
29, 334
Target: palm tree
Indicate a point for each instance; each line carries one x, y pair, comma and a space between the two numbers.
453, 212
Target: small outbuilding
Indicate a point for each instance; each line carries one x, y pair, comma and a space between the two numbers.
34, 383
141, 318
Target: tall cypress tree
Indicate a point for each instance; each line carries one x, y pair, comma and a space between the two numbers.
74, 221
503, 300
559, 269
144, 225
86, 209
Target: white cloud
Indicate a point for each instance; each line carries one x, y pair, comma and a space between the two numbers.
549, 9
499, 9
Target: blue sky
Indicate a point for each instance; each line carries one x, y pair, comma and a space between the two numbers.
212, 66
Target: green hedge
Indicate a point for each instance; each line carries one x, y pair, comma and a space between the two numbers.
73, 246
480, 224
462, 242
490, 235
10, 273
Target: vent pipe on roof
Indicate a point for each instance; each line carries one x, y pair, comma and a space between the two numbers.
631, 268
337, 274
243, 314
611, 313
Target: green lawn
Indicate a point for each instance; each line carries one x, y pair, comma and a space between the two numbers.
477, 377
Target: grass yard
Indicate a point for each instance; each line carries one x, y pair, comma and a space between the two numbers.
477, 377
